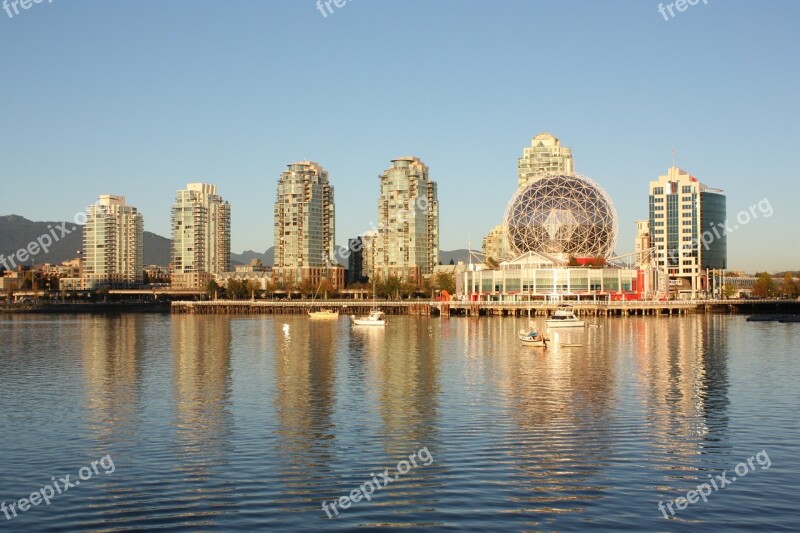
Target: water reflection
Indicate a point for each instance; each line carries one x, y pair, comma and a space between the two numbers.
112, 372
305, 373
201, 348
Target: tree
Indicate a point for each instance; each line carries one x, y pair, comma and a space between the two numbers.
445, 282
789, 287
388, 287
491, 262
729, 290
213, 289
765, 286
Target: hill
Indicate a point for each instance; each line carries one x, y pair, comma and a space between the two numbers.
18, 232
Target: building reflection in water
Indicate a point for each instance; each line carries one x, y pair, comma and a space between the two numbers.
556, 398
112, 348
403, 372
684, 368
201, 348
305, 373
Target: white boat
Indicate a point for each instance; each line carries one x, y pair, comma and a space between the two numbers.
324, 313
532, 338
564, 318
375, 318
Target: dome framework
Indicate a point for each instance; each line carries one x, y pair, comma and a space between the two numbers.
562, 214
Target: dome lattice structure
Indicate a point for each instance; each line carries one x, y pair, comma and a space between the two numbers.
567, 215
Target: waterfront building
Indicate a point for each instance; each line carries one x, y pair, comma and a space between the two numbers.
494, 244
201, 236
305, 227
543, 277
407, 245
544, 156
687, 230
113, 238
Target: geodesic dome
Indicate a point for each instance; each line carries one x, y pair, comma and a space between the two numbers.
568, 215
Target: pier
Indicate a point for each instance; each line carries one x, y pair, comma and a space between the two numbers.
487, 308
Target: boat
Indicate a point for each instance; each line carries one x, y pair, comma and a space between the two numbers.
564, 318
375, 318
767, 318
788, 319
532, 338
324, 313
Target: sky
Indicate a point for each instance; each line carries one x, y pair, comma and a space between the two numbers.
140, 98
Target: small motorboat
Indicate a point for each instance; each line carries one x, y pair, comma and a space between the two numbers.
375, 318
564, 318
324, 313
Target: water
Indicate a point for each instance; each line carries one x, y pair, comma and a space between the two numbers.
220, 423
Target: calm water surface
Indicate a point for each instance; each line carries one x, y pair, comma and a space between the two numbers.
226, 424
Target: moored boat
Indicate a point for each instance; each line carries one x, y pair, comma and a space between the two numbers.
324, 313
532, 338
375, 318
564, 318
766, 318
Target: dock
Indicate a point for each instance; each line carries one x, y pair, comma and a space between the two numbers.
487, 308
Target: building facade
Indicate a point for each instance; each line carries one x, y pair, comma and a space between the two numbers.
113, 240
407, 245
544, 156
542, 277
355, 261
687, 230
304, 225
201, 236
494, 244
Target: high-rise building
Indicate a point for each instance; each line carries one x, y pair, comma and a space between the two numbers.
687, 230
544, 156
494, 244
113, 238
201, 236
305, 227
408, 222
355, 260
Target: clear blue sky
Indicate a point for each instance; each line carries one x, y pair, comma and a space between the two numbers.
140, 97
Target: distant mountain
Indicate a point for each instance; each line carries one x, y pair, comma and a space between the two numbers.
18, 232
456, 255
267, 258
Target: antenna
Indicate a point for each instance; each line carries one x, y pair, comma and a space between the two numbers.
673, 156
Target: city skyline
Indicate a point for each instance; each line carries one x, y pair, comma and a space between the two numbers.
86, 129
